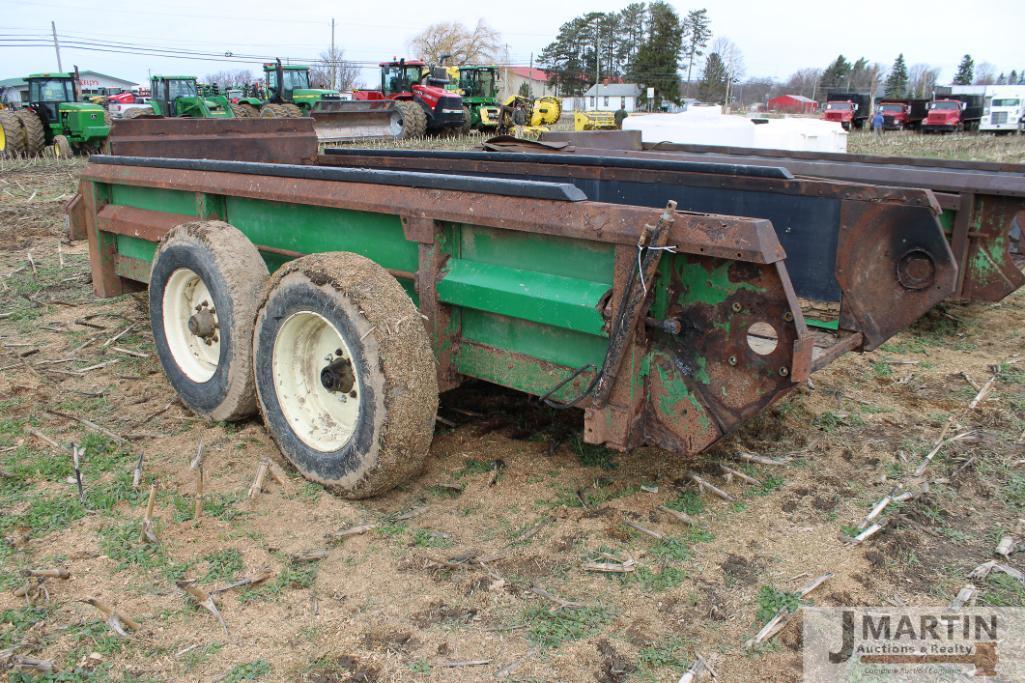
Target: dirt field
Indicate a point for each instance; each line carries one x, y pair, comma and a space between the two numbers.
467, 570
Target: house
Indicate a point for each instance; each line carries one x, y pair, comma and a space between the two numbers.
793, 104
610, 97
14, 91
513, 77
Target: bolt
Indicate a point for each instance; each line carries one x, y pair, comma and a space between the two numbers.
736, 307
788, 316
783, 372
343, 398
338, 352
352, 393
733, 360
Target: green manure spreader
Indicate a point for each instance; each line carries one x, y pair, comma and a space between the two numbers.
338, 299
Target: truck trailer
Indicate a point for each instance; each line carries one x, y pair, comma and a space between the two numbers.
1004, 110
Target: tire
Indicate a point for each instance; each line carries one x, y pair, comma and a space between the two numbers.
239, 111
12, 138
207, 267
107, 120
271, 111
136, 113
35, 134
414, 120
292, 112
62, 148
249, 110
366, 427
467, 126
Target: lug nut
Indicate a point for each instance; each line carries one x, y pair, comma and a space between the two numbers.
733, 360
788, 316
783, 372
737, 307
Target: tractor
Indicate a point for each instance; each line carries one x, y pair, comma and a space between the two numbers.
479, 85
53, 117
421, 98
180, 97
539, 113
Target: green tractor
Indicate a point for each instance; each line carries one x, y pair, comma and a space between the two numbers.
290, 94
53, 118
180, 97
480, 96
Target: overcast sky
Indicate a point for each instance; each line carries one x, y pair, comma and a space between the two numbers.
776, 38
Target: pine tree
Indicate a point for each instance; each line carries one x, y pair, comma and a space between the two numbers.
712, 87
1013, 78
658, 59
965, 71
897, 81
836, 76
1001, 79
697, 31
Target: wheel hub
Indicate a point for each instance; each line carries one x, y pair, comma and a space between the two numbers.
338, 376
203, 324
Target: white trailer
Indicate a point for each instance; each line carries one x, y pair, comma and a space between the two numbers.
1004, 109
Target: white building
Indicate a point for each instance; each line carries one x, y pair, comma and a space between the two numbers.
610, 97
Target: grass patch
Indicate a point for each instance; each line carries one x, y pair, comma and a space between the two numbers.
251, 671
771, 601
689, 502
472, 467
120, 542
550, 630
223, 565
591, 455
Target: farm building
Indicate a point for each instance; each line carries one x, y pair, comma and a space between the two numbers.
610, 96
515, 76
793, 104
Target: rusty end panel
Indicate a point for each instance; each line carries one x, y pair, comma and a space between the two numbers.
282, 141
853, 244
74, 216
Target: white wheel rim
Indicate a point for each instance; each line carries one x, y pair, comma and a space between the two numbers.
305, 345
184, 296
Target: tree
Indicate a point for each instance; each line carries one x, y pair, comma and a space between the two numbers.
334, 72
985, 74
524, 90
462, 45
572, 59
696, 32
1013, 78
922, 80
804, 82
836, 76
226, 79
733, 62
633, 29
965, 71
897, 81
1002, 79
712, 87
657, 63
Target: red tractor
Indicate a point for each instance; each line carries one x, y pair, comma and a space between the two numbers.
423, 104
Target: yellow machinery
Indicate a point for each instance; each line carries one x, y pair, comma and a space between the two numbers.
594, 120
541, 113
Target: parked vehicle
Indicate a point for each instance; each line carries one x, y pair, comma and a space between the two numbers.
120, 111
850, 109
180, 97
903, 114
666, 327
54, 117
955, 109
1004, 110
424, 107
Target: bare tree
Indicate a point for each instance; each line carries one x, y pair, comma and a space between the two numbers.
479, 45
922, 80
731, 56
985, 74
226, 79
804, 82
332, 71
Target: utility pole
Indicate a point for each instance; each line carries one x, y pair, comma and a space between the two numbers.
57, 47
334, 62
530, 78
505, 70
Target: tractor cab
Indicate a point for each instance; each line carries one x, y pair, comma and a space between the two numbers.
479, 82
290, 84
47, 92
398, 78
180, 97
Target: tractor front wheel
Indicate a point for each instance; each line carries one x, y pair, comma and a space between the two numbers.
240, 111
140, 111
12, 140
345, 373
62, 148
203, 292
467, 126
35, 134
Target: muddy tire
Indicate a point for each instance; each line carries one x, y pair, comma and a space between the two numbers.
12, 138
136, 113
249, 111
467, 126
61, 148
107, 120
414, 120
271, 111
345, 373
292, 111
35, 134
239, 111
203, 292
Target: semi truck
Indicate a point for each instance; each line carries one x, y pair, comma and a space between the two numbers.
1004, 110
903, 113
850, 109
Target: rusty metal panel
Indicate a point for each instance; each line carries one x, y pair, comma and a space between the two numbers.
284, 141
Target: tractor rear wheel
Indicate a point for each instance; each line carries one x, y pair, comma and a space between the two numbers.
35, 134
239, 110
140, 111
345, 374
12, 138
467, 126
272, 111
249, 111
62, 148
414, 120
203, 292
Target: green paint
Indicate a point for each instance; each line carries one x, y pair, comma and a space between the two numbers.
701, 374
947, 218
313, 229
704, 286
552, 344
571, 258
823, 324
551, 299
988, 256
168, 201
134, 247
500, 367
676, 391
